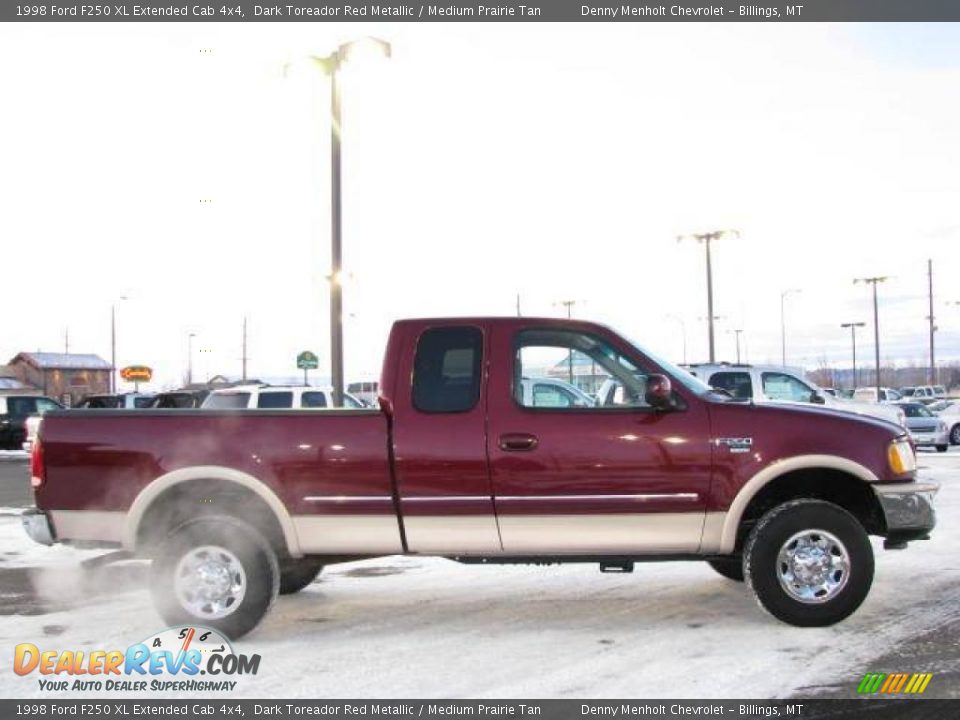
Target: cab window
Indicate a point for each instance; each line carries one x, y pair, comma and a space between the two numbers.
275, 400
780, 386
736, 383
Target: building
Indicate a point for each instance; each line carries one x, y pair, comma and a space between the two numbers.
66, 377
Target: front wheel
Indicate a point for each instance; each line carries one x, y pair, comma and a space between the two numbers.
955, 434
215, 571
809, 563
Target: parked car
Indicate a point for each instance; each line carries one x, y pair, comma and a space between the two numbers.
276, 397
132, 400
775, 383
924, 393
951, 416
926, 429
869, 395
366, 391
14, 411
550, 392
179, 399
234, 507
938, 406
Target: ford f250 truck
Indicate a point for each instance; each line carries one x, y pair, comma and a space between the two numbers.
236, 506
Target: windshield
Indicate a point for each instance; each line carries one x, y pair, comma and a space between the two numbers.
691, 382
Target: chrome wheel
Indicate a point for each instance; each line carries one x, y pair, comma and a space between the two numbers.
210, 582
813, 566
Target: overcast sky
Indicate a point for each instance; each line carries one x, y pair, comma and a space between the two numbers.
555, 161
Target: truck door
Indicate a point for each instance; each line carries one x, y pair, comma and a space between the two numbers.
615, 478
440, 440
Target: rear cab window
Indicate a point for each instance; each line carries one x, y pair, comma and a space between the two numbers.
446, 370
736, 383
275, 400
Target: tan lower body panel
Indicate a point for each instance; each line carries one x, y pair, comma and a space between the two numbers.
640, 533
92, 525
324, 534
452, 534
712, 532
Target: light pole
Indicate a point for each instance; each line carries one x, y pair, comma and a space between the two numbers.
737, 332
331, 65
683, 334
783, 325
705, 239
853, 340
190, 338
113, 345
874, 281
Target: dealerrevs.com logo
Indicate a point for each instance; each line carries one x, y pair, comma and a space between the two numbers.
174, 660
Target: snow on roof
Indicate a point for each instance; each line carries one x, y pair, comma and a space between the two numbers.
64, 361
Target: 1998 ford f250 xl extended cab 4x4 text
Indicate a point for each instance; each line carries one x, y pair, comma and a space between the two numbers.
235, 506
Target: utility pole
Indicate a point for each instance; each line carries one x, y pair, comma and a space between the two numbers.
66, 340
874, 281
853, 339
737, 333
705, 239
518, 304
932, 380
190, 338
244, 359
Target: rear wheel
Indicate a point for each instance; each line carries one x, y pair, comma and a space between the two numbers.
809, 562
215, 571
296, 574
730, 568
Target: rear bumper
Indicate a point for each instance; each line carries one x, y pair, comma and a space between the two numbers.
38, 527
908, 509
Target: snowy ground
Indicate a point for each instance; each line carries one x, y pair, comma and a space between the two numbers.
424, 627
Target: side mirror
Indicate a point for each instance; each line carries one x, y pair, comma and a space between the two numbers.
818, 399
659, 393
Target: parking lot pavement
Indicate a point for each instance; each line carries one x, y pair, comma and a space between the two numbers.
15, 483
412, 626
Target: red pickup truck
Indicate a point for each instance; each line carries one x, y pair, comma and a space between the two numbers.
462, 461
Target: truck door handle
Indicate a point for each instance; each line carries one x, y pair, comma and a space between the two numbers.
517, 441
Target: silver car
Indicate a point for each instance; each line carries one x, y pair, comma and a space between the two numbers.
925, 428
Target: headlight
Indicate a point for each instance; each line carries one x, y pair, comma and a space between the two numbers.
901, 457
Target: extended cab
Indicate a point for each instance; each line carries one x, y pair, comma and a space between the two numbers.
234, 506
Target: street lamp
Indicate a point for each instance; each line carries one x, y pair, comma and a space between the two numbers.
874, 281
190, 338
705, 239
331, 65
737, 332
113, 345
783, 326
853, 340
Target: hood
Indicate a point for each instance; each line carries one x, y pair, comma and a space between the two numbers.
807, 411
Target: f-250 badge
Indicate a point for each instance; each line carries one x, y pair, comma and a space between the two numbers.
736, 445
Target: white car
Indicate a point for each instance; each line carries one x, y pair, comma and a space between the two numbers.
367, 391
276, 397
951, 417
869, 395
550, 392
773, 383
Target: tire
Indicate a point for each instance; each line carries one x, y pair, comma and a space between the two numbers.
238, 564
296, 574
942, 448
831, 594
730, 568
955, 434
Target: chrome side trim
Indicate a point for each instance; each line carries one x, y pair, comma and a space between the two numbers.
348, 498
323, 534
643, 497
446, 498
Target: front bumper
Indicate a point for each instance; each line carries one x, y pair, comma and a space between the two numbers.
38, 526
908, 509
930, 438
